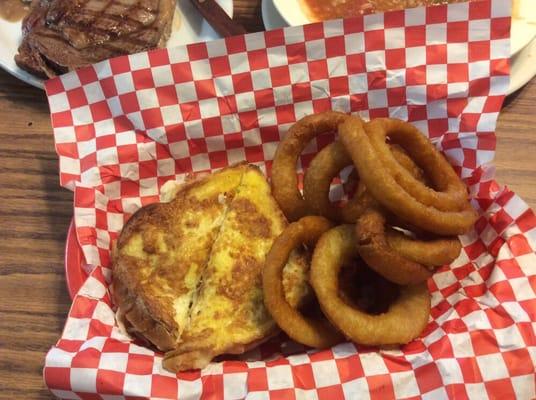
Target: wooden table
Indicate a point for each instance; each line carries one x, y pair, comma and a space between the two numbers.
35, 214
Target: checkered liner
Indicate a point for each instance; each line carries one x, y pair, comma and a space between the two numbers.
125, 126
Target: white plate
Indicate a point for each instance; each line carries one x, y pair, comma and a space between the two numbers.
522, 33
522, 67
188, 27
522, 64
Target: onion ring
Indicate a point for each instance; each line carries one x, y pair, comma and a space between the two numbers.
405, 161
383, 187
311, 332
451, 194
404, 321
325, 166
317, 181
284, 176
431, 253
373, 248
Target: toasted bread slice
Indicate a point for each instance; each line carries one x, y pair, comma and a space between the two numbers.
187, 274
228, 315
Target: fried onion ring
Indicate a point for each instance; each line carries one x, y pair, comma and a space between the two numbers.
431, 253
405, 161
451, 194
373, 248
311, 332
384, 188
284, 176
325, 166
406, 317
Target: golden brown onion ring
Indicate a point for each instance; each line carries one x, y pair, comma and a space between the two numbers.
373, 248
405, 161
325, 166
284, 176
383, 187
451, 194
407, 315
311, 332
431, 253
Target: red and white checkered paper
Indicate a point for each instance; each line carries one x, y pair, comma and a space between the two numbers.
125, 126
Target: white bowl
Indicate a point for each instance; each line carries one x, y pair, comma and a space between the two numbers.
522, 33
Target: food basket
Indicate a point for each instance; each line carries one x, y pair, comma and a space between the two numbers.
125, 126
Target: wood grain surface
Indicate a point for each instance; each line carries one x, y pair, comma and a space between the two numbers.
35, 214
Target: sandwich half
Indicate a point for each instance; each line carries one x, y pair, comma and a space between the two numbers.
187, 274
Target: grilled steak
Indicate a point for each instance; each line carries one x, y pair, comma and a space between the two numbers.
61, 35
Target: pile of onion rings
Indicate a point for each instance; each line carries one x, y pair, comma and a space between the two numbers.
402, 221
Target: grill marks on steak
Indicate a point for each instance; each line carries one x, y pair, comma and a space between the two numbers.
61, 35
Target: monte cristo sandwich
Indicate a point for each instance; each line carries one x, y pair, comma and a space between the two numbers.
187, 274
